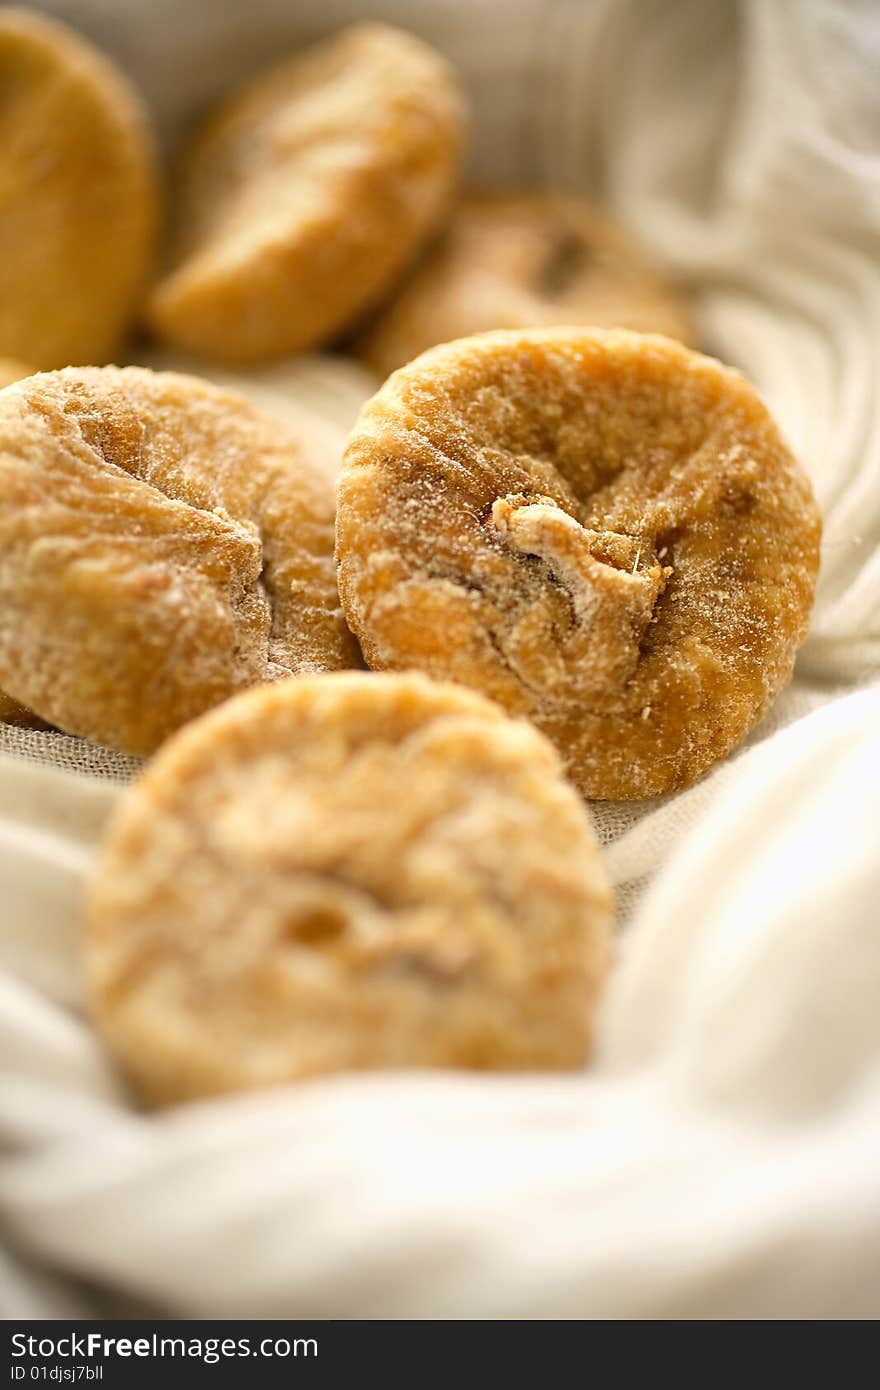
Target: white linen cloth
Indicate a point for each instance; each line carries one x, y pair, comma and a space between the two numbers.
721, 1158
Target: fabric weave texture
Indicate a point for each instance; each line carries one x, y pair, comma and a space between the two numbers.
721, 1158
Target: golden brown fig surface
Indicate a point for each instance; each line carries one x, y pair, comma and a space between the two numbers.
305, 195
13, 370
11, 712
347, 872
78, 195
162, 546
602, 531
524, 260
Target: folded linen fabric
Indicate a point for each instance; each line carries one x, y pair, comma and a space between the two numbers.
721, 1158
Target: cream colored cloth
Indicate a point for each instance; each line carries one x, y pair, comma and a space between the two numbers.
722, 1158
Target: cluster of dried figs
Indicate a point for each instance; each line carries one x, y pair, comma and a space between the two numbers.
580, 551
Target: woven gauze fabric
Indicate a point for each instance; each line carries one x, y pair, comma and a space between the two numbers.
721, 1157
